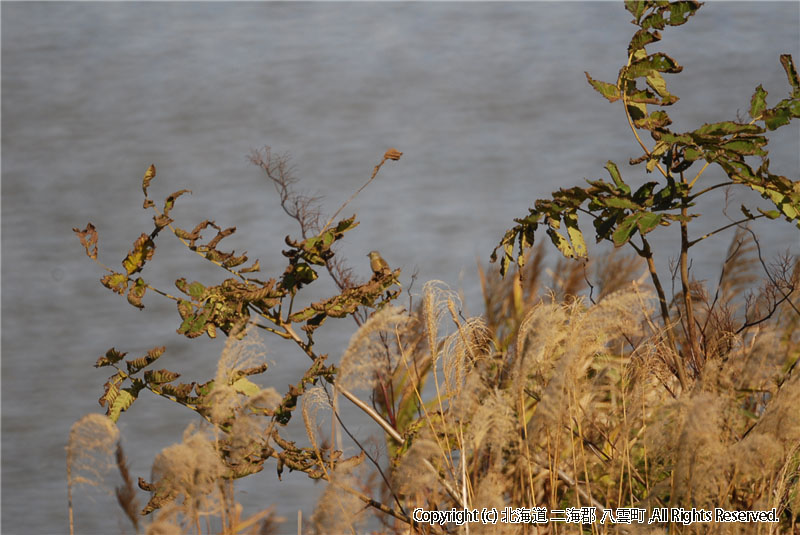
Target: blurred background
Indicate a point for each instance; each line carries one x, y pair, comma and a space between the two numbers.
487, 101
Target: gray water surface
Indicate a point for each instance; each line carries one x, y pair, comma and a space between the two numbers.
488, 102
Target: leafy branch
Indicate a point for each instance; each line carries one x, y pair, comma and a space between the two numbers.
619, 212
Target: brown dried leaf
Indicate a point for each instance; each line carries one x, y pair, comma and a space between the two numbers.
118, 282
148, 176
392, 154
143, 249
88, 237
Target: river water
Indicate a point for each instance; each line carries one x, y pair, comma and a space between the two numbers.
488, 102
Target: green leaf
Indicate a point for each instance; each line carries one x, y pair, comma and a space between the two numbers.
620, 202
642, 96
791, 74
790, 209
771, 214
656, 62
612, 169
657, 119
610, 91
636, 7
642, 38
658, 84
746, 147
776, 117
656, 20
637, 111
758, 102
727, 127
691, 154
196, 290
679, 12
643, 194
626, 229
648, 222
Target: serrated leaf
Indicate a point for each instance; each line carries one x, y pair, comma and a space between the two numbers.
784, 203
111, 390
655, 62
647, 222
620, 202
136, 293
251, 269
158, 377
117, 282
644, 193
758, 102
625, 229
575, 235
771, 214
691, 154
135, 365
657, 119
776, 117
636, 110
122, 402
609, 91
561, 243
88, 237
169, 202
636, 7
657, 83
727, 127
746, 147
148, 176
112, 356
655, 20
791, 74
679, 12
246, 387
642, 38
196, 290
612, 169
747, 213
143, 249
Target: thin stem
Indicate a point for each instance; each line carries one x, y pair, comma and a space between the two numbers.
726, 227
354, 195
700, 172
685, 283
630, 120
715, 186
662, 299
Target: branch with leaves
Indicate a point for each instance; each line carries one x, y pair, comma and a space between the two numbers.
619, 212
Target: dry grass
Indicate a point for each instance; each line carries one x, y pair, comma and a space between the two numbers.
560, 396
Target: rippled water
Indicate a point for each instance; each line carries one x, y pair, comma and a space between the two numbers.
488, 102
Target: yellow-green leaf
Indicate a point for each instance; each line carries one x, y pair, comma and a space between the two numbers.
246, 387
758, 102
